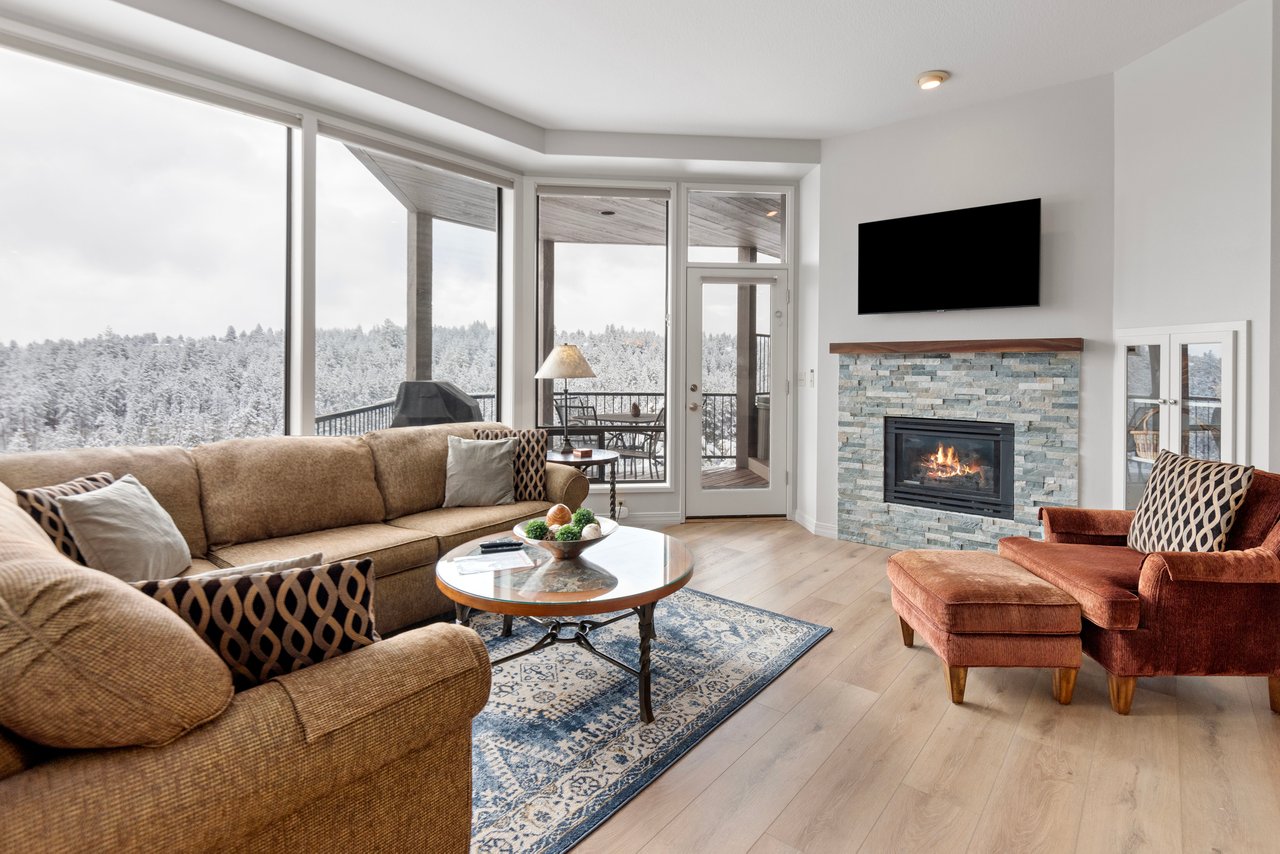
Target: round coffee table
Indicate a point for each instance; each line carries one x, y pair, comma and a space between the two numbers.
631, 571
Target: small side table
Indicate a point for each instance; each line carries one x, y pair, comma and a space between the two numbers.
599, 457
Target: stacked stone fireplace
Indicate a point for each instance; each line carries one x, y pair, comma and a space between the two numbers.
955, 449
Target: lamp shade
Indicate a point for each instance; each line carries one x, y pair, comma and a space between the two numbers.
564, 362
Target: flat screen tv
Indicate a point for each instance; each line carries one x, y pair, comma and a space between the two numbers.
985, 257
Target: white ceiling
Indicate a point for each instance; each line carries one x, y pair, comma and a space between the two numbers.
759, 68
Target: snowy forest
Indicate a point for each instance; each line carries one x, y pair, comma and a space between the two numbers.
155, 390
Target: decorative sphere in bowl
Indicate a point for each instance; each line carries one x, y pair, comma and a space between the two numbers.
566, 549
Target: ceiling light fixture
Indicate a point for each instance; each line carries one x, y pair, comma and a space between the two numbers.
932, 79
771, 213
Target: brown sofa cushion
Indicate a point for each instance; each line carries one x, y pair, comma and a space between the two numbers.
41, 502
411, 463
455, 525
168, 473
1258, 519
392, 549
88, 662
969, 592
1103, 579
266, 624
259, 489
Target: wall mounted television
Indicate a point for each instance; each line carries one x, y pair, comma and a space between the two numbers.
984, 257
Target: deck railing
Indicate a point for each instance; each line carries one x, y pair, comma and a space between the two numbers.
377, 416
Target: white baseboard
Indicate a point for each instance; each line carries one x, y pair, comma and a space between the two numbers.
818, 529
655, 520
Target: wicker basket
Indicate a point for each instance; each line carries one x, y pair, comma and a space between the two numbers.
1146, 443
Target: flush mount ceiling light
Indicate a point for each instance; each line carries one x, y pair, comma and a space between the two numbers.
932, 79
771, 213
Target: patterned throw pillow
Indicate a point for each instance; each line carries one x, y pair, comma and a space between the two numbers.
1189, 505
530, 461
271, 623
42, 503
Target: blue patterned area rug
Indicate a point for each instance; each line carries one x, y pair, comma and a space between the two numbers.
560, 746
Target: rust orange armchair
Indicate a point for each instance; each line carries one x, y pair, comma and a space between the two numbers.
1168, 613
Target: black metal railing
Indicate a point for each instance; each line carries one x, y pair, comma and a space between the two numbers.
762, 364
377, 416
593, 426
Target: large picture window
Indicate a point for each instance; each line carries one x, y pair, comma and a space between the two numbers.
406, 284
602, 285
142, 268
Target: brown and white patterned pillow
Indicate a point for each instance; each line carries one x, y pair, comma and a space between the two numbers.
266, 624
530, 460
1189, 505
42, 503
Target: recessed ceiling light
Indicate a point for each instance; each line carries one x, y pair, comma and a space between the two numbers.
932, 79
607, 213
771, 213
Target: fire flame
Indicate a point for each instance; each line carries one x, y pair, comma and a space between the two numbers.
945, 463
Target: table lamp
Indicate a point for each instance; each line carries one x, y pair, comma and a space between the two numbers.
565, 362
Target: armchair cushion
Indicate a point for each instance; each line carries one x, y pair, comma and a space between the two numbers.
1103, 579
266, 624
1189, 505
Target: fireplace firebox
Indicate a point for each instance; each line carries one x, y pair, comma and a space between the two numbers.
947, 464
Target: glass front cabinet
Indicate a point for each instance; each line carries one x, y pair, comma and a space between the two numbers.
1178, 390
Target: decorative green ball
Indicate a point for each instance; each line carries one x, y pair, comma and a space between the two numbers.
583, 517
537, 530
569, 533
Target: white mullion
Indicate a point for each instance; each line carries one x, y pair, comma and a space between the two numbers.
302, 342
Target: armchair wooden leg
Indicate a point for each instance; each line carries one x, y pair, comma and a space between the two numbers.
957, 676
1064, 684
1273, 688
1121, 690
909, 634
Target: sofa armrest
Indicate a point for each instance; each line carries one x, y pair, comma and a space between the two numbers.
566, 485
1093, 527
279, 747
1246, 566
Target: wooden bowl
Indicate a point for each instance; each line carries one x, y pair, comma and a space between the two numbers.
566, 550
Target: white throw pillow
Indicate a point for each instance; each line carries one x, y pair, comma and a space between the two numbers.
480, 472
303, 562
123, 531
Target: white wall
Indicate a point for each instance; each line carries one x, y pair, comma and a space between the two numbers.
809, 348
1193, 220
1055, 144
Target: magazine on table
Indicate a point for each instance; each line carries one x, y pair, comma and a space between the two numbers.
518, 559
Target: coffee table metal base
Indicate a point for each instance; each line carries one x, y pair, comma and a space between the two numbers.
581, 629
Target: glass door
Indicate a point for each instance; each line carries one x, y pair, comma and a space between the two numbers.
1178, 392
736, 399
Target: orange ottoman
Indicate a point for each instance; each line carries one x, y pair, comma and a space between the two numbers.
976, 609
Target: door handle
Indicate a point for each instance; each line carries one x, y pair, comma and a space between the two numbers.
693, 407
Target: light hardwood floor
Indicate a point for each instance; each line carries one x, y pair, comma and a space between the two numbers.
858, 748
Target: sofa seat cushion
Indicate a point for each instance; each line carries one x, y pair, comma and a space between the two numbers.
1103, 579
199, 566
968, 592
455, 525
272, 487
392, 549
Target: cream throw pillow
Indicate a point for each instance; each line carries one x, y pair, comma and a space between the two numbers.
303, 562
480, 473
123, 531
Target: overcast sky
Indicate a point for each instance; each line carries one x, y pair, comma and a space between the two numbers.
137, 210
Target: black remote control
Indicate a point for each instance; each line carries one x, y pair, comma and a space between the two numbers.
501, 546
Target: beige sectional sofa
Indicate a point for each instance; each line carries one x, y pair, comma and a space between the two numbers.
378, 495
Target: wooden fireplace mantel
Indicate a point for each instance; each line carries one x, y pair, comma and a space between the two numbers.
976, 345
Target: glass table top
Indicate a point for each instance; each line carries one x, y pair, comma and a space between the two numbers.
631, 564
